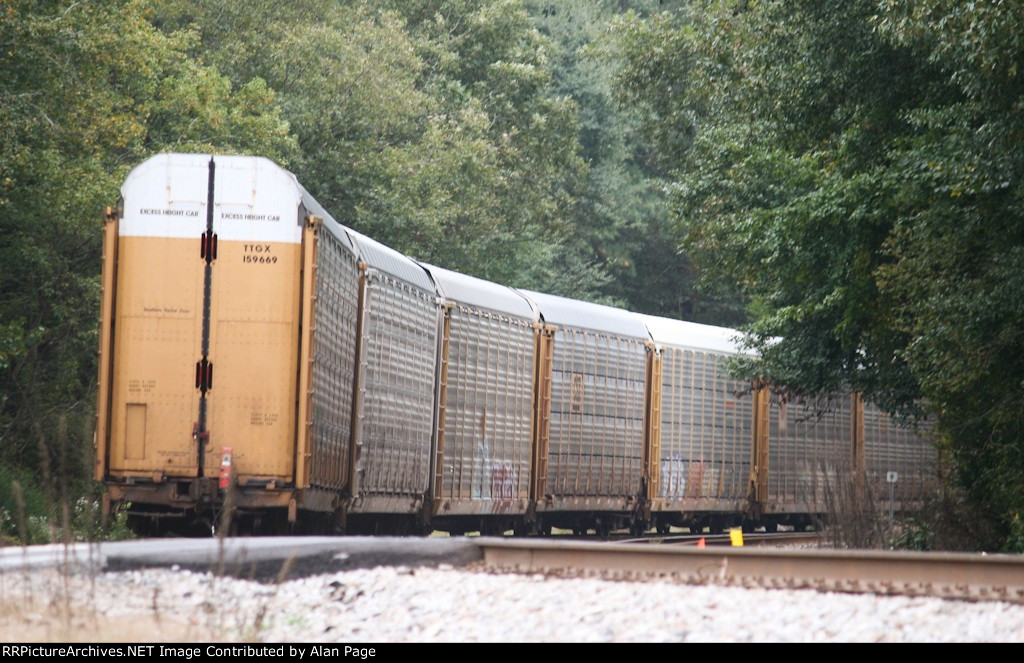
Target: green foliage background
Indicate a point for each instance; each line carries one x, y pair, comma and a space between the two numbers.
448, 129
843, 178
855, 169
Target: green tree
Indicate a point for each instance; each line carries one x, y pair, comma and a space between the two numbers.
86, 91
854, 169
957, 248
427, 125
622, 220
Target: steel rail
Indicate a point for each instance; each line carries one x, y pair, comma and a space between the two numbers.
749, 539
946, 575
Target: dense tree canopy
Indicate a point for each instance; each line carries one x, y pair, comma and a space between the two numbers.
86, 91
621, 218
435, 126
855, 168
846, 176
430, 125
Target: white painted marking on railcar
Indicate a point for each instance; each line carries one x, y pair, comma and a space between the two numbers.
255, 200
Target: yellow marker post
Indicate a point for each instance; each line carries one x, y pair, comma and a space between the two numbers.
736, 537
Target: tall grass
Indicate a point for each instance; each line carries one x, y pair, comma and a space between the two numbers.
25, 515
56, 501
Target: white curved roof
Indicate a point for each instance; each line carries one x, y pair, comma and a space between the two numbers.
386, 259
254, 198
469, 290
566, 312
693, 335
330, 223
166, 196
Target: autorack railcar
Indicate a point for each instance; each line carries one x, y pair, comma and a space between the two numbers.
255, 353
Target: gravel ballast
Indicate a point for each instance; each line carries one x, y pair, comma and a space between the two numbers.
397, 604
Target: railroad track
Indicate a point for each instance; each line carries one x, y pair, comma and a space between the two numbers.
944, 575
749, 539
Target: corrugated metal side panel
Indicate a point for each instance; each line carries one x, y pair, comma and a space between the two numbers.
706, 428
400, 348
334, 342
489, 398
889, 447
597, 415
809, 451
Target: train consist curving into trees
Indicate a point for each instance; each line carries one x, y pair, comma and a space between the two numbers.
255, 353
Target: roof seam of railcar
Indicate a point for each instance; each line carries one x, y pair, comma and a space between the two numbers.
468, 290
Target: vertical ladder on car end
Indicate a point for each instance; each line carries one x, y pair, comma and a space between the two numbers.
442, 401
101, 440
544, 349
304, 390
652, 425
355, 440
761, 412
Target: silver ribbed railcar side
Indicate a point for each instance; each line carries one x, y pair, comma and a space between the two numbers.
485, 441
907, 450
706, 422
335, 318
809, 453
595, 449
395, 397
